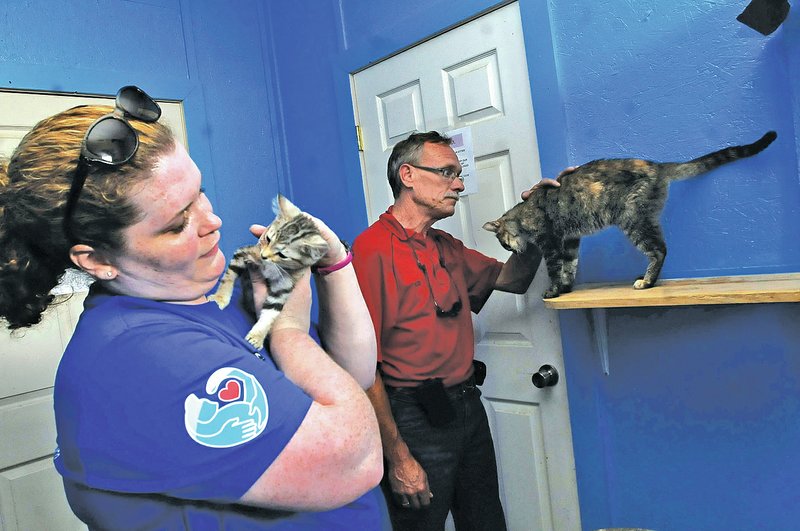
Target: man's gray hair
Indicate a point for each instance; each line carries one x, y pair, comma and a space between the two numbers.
408, 151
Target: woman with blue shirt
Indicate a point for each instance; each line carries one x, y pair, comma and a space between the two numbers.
166, 418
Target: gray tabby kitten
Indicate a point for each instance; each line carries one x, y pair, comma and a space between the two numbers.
291, 244
628, 193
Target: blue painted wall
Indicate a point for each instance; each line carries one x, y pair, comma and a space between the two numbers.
670, 81
696, 426
214, 56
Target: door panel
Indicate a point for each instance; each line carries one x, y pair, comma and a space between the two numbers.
476, 76
31, 492
518, 427
32, 497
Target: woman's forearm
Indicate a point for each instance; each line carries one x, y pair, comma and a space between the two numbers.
311, 368
345, 325
335, 455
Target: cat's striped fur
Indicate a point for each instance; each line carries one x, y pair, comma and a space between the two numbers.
290, 244
628, 193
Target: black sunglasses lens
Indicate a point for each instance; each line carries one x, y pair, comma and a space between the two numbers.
138, 104
452, 312
111, 141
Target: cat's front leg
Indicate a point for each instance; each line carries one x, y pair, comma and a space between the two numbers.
555, 267
225, 290
570, 263
237, 266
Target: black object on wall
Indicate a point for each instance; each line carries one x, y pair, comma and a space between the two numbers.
764, 16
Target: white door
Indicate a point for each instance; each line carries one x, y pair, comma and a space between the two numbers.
31, 493
476, 76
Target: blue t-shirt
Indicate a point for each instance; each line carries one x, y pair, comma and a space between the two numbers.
166, 417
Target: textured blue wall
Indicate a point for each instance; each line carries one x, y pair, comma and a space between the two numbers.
694, 428
305, 36
211, 55
671, 81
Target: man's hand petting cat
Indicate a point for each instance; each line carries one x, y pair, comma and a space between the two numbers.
549, 182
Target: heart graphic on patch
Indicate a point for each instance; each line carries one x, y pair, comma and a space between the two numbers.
231, 391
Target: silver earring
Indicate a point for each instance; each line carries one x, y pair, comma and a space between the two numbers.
109, 274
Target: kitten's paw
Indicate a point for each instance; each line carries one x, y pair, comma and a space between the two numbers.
256, 339
641, 284
222, 302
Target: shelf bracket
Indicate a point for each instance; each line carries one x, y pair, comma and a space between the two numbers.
597, 321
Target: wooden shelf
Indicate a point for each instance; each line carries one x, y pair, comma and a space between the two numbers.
744, 289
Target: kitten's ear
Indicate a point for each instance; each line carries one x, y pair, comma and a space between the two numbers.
285, 208
492, 226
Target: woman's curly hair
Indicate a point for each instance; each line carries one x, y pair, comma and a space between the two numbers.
34, 185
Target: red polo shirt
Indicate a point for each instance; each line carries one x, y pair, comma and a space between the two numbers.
413, 343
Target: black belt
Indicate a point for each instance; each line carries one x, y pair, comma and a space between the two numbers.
476, 378
458, 388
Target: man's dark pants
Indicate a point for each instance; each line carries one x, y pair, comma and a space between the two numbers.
458, 458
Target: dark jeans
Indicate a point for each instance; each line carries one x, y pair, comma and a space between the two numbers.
458, 459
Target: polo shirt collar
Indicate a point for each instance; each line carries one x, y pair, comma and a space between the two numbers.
391, 224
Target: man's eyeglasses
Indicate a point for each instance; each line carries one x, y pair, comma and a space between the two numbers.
111, 141
453, 311
448, 172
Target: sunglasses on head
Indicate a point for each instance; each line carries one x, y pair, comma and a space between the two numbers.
110, 141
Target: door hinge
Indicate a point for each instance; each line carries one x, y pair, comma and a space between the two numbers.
360, 139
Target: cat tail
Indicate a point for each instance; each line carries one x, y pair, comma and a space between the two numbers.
682, 170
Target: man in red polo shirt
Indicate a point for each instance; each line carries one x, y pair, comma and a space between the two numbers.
420, 285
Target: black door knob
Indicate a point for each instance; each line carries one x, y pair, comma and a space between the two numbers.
546, 377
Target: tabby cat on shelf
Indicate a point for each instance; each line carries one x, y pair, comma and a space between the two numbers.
290, 244
628, 193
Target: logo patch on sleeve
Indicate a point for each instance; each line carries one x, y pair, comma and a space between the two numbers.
235, 413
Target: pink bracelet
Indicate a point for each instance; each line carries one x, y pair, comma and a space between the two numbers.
322, 271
